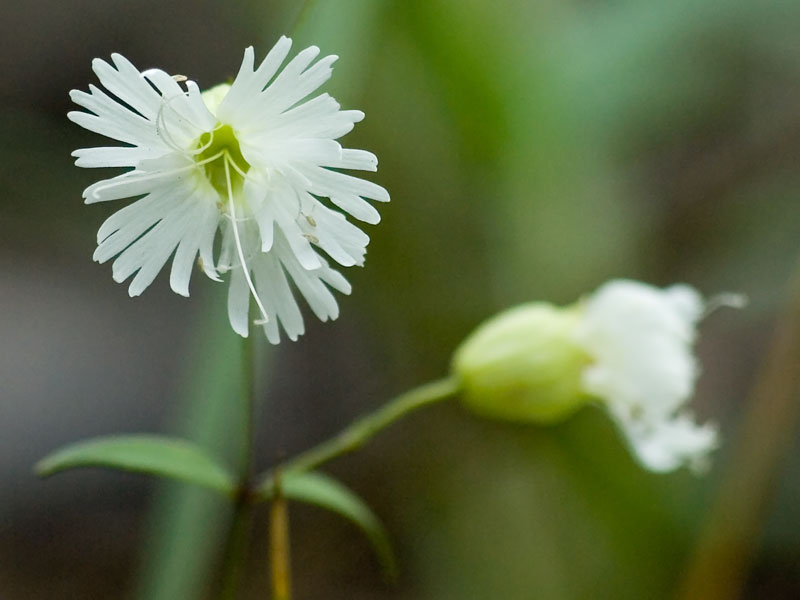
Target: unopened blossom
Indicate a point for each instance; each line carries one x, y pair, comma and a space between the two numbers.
628, 347
245, 177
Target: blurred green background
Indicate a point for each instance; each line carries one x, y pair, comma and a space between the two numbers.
533, 150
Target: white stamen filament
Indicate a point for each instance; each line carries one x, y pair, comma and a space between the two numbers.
728, 299
161, 123
161, 126
155, 175
235, 166
227, 160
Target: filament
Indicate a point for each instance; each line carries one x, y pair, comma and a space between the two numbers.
150, 176
727, 299
238, 241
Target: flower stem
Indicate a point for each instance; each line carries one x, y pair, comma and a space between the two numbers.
236, 551
279, 545
359, 432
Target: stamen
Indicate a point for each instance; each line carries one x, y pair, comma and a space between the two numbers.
234, 165
238, 241
151, 176
161, 123
204, 147
726, 299
161, 128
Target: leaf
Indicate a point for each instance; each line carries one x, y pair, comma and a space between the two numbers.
325, 492
150, 454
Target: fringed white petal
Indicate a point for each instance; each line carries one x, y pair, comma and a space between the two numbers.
239, 303
665, 445
239, 105
289, 145
273, 286
639, 339
126, 83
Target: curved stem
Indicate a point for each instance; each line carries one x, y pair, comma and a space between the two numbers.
359, 432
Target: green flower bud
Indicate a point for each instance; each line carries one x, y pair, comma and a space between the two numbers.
524, 365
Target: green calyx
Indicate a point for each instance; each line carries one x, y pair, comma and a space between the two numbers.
523, 365
221, 158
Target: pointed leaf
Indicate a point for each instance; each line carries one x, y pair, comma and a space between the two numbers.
150, 454
325, 492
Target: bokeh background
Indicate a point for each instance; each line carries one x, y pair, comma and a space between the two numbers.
533, 150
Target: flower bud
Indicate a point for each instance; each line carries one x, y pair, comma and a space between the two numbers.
628, 347
523, 365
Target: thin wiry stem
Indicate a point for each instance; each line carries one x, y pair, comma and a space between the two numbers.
239, 537
359, 432
279, 553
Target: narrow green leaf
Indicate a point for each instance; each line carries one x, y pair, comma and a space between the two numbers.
325, 492
150, 454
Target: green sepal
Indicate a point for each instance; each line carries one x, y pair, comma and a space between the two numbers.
325, 492
141, 453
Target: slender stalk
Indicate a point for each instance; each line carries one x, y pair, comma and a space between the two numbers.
359, 432
236, 551
279, 545
728, 543
248, 402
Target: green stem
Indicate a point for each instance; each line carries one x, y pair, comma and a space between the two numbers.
358, 433
236, 551
279, 552
248, 402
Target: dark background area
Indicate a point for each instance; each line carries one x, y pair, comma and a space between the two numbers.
533, 150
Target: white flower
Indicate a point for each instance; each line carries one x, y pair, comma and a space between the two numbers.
639, 340
252, 160
628, 347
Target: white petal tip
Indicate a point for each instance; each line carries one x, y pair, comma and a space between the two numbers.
310, 263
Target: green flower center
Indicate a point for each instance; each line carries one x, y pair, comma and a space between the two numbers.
222, 158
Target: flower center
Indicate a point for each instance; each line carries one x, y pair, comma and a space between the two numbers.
218, 147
